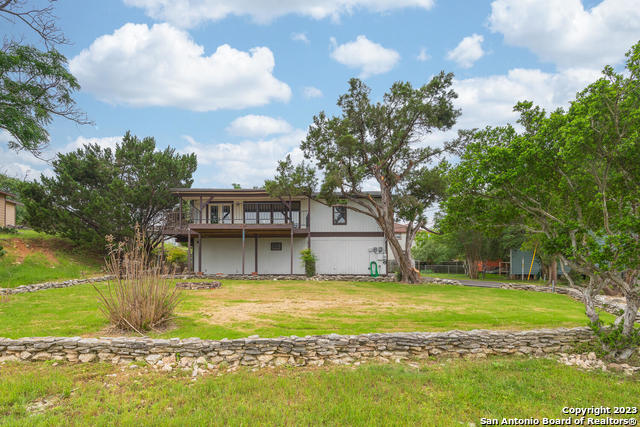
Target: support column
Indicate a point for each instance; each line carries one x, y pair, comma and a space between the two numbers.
189, 270
180, 215
309, 223
200, 209
255, 244
291, 248
199, 253
242, 248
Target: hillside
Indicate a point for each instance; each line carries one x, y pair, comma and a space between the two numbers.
32, 257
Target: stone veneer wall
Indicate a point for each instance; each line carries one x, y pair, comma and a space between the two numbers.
51, 285
298, 351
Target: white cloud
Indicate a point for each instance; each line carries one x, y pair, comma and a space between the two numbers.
563, 32
248, 162
371, 58
490, 100
312, 92
423, 55
81, 141
163, 66
468, 51
256, 126
188, 13
300, 37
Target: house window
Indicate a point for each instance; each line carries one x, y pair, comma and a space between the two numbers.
339, 215
276, 246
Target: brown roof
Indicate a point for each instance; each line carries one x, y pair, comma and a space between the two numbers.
7, 194
402, 228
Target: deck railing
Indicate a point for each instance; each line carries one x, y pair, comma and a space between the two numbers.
176, 221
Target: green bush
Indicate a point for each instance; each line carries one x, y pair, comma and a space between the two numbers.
8, 230
177, 256
2, 251
613, 340
309, 262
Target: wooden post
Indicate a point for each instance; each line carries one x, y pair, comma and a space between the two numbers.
180, 215
199, 253
309, 223
255, 256
200, 209
189, 251
242, 248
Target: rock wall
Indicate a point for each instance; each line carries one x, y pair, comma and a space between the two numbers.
296, 351
51, 285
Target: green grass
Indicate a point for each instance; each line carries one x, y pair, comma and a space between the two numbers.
34, 257
271, 309
443, 393
487, 277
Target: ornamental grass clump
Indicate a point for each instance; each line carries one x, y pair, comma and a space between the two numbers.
140, 297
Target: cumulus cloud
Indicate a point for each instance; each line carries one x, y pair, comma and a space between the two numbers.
256, 126
567, 34
490, 100
423, 55
188, 13
312, 92
163, 66
248, 162
300, 37
468, 51
371, 58
81, 141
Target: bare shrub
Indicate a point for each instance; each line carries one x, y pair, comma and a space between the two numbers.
140, 297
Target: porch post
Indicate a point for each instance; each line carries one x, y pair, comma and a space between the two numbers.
255, 244
309, 223
189, 251
291, 251
200, 209
199, 253
242, 248
180, 215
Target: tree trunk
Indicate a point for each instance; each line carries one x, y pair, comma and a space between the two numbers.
587, 297
472, 266
630, 313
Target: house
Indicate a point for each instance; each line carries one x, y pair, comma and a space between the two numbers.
7, 209
245, 231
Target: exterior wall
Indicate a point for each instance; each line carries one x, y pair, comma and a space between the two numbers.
347, 255
11, 214
322, 220
224, 255
2, 210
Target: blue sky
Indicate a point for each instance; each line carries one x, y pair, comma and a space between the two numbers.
238, 81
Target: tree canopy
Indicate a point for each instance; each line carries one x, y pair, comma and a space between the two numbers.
573, 178
381, 144
35, 85
97, 191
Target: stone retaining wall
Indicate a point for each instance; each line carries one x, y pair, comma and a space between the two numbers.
318, 278
296, 351
51, 285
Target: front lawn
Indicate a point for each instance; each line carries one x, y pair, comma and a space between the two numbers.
440, 393
275, 308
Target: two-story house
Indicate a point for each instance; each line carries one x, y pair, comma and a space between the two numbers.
243, 231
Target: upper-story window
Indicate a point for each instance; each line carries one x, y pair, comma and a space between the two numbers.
339, 215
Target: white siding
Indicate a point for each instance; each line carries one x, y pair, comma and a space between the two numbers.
224, 255
322, 220
347, 255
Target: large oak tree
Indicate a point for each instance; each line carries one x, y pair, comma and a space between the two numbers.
382, 144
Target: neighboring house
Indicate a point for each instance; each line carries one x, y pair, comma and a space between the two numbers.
7, 209
243, 231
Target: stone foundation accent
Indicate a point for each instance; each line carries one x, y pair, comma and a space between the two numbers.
317, 278
295, 351
51, 285
198, 285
